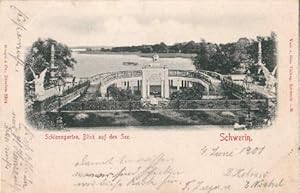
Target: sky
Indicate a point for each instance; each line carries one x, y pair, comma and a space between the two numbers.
120, 23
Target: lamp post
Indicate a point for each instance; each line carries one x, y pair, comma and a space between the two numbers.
59, 121
248, 120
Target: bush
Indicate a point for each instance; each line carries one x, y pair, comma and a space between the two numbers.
122, 94
187, 94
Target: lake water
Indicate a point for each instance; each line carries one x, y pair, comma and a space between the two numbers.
91, 64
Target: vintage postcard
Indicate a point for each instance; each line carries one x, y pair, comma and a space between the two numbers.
149, 96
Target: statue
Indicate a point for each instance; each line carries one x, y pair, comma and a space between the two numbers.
155, 62
155, 58
247, 80
60, 85
38, 81
271, 80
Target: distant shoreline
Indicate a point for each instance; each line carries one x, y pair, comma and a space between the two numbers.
147, 55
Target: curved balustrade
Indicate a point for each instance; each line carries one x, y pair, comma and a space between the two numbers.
202, 77
121, 75
212, 74
189, 74
228, 83
111, 76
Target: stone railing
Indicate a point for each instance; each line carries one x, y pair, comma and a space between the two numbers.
190, 74
111, 76
171, 104
121, 75
234, 87
103, 105
212, 74
214, 104
56, 102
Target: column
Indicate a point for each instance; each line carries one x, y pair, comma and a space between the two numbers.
178, 84
167, 88
144, 88
148, 88
162, 92
103, 91
207, 88
259, 52
131, 87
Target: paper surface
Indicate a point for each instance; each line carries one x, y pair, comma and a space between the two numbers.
150, 118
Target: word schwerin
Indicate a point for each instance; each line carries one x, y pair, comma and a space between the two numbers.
230, 137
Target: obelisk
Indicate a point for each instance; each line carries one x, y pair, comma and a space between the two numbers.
259, 51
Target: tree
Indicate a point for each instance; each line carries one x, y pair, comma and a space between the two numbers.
240, 53
160, 48
217, 58
227, 63
269, 51
201, 61
235, 57
193, 93
146, 49
122, 94
190, 47
39, 58
176, 48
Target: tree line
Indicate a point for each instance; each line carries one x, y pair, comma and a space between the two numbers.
235, 57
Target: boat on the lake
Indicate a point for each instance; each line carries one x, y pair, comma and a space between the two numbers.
130, 63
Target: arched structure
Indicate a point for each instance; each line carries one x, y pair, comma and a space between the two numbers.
155, 79
149, 79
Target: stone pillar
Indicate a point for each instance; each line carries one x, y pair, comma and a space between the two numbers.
167, 88
131, 87
148, 89
178, 84
259, 52
103, 91
144, 88
162, 90
207, 88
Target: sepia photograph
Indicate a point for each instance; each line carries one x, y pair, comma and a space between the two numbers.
125, 77
147, 96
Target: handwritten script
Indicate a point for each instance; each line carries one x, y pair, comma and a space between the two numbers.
159, 172
19, 19
156, 172
16, 160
